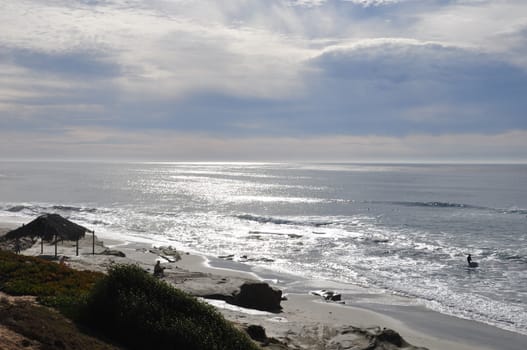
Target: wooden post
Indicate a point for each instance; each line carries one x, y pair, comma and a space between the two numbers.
77, 248
93, 242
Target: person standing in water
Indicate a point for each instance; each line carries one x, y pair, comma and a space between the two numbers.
469, 259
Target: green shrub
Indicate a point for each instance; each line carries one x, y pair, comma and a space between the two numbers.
143, 312
26, 275
54, 285
128, 306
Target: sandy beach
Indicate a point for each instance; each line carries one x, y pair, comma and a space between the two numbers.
306, 321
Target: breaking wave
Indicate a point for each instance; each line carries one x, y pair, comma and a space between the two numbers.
278, 221
434, 204
41, 209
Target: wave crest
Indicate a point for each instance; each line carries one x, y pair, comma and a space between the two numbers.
279, 221
37, 209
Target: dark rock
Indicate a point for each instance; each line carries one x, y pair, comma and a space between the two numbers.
168, 253
328, 295
113, 252
256, 332
334, 297
371, 338
259, 296
226, 257
391, 336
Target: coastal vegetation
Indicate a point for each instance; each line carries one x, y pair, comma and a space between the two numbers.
143, 312
26, 275
127, 306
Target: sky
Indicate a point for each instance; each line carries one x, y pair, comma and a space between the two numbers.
264, 80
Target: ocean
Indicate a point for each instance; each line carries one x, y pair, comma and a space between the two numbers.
398, 229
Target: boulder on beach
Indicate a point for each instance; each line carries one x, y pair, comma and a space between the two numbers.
357, 338
388, 339
390, 336
256, 332
168, 253
113, 252
259, 296
328, 295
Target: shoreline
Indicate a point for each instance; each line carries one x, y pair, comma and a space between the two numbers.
417, 324
303, 315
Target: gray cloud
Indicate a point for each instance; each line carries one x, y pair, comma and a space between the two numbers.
388, 87
277, 69
77, 64
403, 87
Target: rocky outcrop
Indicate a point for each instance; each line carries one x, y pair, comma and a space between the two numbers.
237, 291
113, 252
327, 295
332, 338
259, 296
257, 333
374, 338
346, 337
168, 253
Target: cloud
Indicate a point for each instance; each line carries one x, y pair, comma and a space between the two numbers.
81, 65
477, 24
268, 70
409, 86
311, 3
168, 49
43, 97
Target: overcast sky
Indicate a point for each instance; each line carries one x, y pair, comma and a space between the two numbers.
352, 80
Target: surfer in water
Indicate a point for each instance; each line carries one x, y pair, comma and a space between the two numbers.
470, 262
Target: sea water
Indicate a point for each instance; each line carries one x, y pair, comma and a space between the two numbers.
404, 229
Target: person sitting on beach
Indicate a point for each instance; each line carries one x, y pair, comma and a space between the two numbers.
158, 269
17, 246
62, 261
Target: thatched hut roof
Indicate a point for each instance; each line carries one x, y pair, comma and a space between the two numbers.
49, 226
